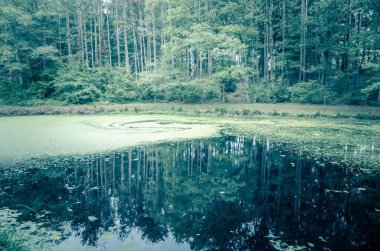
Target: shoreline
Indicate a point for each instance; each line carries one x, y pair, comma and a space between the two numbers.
228, 110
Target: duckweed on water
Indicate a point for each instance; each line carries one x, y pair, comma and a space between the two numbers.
351, 142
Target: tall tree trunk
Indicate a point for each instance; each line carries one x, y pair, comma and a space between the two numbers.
59, 31
96, 44
302, 43
101, 34
135, 51
142, 42
163, 39
117, 33
271, 61
266, 42
126, 51
109, 39
148, 46
86, 43
92, 45
209, 63
68, 37
80, 40
154, 44
283, 40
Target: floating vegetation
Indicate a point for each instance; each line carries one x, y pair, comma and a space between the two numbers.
348, 144
25, 235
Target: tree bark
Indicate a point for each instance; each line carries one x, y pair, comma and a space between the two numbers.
117, 33
126, 51
68, 37
135, 52
109, 39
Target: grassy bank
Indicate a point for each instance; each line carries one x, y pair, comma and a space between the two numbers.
210, 109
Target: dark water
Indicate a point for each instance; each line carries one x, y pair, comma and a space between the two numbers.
216, 194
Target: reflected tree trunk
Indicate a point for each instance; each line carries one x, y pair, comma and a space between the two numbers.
297, 197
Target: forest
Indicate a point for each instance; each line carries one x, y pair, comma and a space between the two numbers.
191, 51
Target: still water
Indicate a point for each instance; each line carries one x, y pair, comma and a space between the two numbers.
226, 193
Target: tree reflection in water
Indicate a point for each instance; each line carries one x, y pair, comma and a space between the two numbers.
216, 194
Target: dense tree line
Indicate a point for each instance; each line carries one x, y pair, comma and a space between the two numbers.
80, 51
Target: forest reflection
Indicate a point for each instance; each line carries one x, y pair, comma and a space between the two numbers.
216, 194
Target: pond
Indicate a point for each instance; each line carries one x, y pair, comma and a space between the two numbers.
224, 193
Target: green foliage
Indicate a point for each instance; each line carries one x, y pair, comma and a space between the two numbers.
120, 89
311, 92
87, 85
41, 90
353, 97
280, 94
199, 91
229, 43
229, 78
195, 91
9, 243
77, 92
150, 84
261, 94
372, 92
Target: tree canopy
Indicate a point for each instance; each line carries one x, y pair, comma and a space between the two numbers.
81, 51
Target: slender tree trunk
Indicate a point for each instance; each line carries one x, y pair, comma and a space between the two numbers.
117, 33
109, 40
357, 59
92, 45
68, 37
135, 51
163, 39
101, 34
266, 42
154, 44
80, 40
141, 46
142, 43
59, 34
209, 63
86, 43
283, 39
171, 37
302, 43
126, 51
200, 63
96, 44
148, 46
271, 60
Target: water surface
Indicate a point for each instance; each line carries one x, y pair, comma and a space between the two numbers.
225, 193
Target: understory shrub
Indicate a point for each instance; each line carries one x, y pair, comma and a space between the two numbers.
189, 92
121, 89
77, 93
83, 86
372, 93
261, 94
311, 92
353, 97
